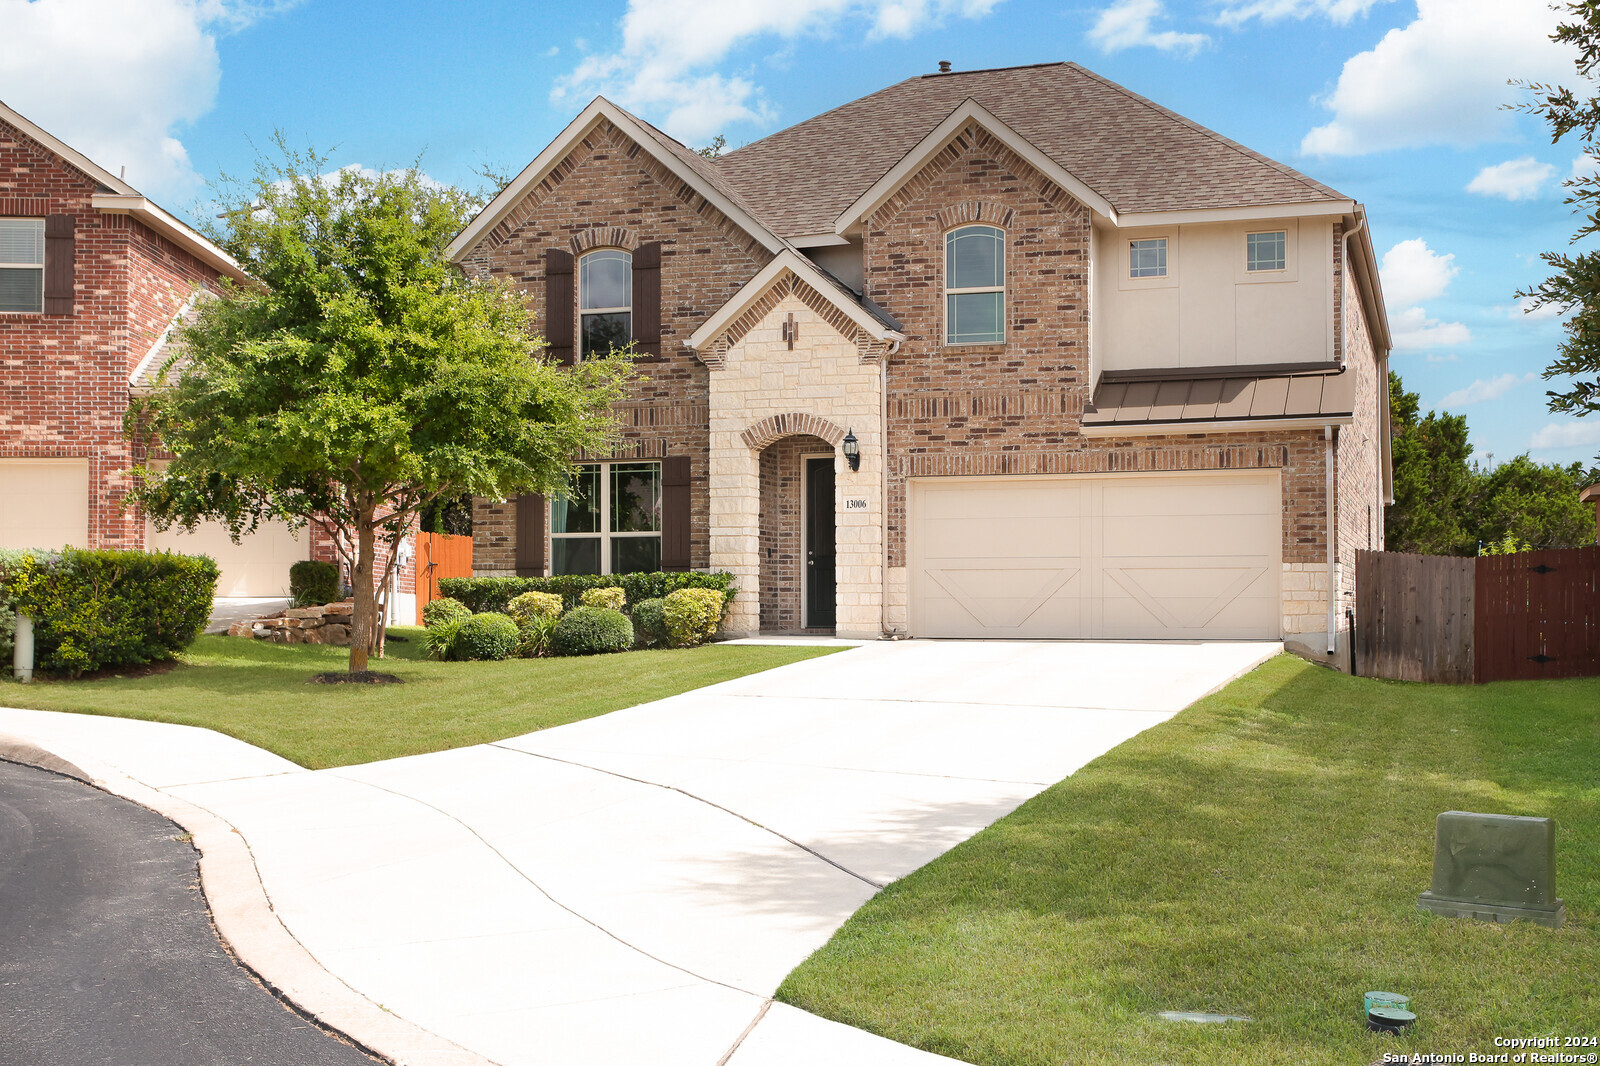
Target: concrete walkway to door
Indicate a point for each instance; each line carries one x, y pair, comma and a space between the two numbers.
632, 888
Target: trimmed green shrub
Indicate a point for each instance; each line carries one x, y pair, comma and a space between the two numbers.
109, 608
531, 605
591, 631
692, 616
313, 583
488, 637
650, 623
533, 635
496, 593
611, 597
436, 612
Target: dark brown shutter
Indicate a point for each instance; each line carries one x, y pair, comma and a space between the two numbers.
647, 300
530, 535
558, 301
675, 512
59, 252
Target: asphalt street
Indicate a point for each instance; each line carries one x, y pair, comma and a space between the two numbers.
107, 952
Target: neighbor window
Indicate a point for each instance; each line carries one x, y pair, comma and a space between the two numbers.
1264, 251
22, 264
605, 301
1147, 259
975, 285
609, 521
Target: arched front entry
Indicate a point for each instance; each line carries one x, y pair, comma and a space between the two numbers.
799, 583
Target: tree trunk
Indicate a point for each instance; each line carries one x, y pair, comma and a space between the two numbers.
361, 625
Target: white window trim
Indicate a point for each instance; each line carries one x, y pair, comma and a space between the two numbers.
39, 266
944, 258
605, 535
1125, 279
1166, 258
1290, 271
1283, 233
582, 310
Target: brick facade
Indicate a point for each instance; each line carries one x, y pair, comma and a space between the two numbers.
64, 378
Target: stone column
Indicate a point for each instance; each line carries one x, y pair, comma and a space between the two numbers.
735, 489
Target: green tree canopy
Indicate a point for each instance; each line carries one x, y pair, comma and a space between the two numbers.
365, 378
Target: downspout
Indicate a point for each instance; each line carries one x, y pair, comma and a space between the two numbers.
1329, 433
883, 486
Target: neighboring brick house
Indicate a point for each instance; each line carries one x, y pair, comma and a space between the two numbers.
1106, 370
94, 278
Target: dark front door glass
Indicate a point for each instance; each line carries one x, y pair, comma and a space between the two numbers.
819, 544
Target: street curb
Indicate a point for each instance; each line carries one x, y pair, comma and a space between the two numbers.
247, 923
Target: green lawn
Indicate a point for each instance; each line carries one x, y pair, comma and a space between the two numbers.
260, 693
1260, 854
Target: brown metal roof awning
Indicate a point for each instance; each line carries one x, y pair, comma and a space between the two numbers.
1203, 396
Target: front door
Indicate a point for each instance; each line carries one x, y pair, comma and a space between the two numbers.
819, 543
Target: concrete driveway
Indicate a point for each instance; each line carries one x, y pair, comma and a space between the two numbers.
632, 888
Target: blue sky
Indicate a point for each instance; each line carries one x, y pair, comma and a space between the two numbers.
1397, 103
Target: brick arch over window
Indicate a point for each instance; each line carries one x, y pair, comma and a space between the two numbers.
975, 211
604, 237
776, 427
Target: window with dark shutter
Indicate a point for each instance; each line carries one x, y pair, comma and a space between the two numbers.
675, 512
558, 300
59, 252
530, 535
647, 300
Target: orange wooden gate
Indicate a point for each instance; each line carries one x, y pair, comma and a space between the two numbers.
439, 555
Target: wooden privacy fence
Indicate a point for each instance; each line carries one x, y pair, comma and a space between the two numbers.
1492, 618
439, 555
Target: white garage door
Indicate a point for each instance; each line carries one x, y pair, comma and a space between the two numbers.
1177, 556
258, 566
44, 503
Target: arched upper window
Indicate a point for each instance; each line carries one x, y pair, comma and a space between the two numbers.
975, 285
605, 301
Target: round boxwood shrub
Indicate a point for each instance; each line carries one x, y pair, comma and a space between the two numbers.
650, 622
486, 637
591, 631
444, 609
611, 597
532, 605
313, 583
692, 616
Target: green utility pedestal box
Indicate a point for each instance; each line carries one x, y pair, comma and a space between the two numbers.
1496, 868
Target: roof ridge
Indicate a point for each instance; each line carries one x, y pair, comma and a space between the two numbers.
1282, 168
994, 70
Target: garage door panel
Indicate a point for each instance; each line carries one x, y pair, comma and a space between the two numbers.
258, 566
1150, 556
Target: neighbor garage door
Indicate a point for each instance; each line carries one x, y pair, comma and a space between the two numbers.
1176, 556
44, 503
258, 566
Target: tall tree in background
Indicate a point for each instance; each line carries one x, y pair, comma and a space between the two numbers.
1575, 286
364, 379
1432, 479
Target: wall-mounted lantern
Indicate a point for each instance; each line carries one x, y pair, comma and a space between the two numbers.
852, 449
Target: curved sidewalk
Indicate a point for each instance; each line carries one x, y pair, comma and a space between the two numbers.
631, 887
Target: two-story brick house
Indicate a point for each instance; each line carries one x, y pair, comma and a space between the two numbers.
94, 280
1104, 372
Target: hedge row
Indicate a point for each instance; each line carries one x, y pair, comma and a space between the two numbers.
496, 593
92, 609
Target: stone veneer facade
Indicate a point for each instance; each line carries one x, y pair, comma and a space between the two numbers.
924, 410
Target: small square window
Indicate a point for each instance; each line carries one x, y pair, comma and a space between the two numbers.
1147, 259
1265, 251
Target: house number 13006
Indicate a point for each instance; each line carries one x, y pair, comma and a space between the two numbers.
855, 503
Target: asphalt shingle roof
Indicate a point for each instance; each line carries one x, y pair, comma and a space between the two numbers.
1138, 155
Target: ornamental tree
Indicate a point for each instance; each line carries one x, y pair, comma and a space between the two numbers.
364, 379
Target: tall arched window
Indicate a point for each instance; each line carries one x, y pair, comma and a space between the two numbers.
975, 285
605, 301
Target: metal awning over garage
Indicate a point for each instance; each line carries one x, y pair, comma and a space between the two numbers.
1192, 555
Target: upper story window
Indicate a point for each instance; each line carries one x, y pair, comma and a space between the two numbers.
609, 521
1266, 251
605, 301
22, 264
1147, 258
975, 285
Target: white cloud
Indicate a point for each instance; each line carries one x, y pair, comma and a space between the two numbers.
662, 68
1451, 358
1442, 79
1413, 331
1412, 272
117, 80
1128, 24
1339, 12
1565, 435
1482, 391
1515, 179
1585, 165
1523, 309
